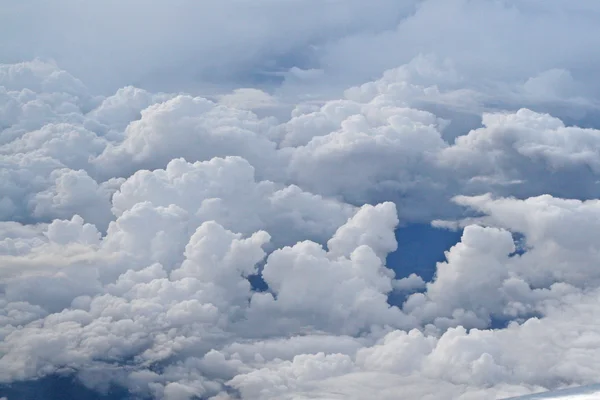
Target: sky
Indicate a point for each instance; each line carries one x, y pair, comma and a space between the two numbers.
299, 199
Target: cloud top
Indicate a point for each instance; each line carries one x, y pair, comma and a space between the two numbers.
198, 200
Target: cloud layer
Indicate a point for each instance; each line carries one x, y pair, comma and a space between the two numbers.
182, 246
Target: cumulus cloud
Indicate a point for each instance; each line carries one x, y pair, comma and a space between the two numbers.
177, 239
372, 146
248, 98
193, 314
156, 313
486, 41
190, 127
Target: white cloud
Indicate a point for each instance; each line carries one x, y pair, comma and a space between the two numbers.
478, 364
197, 314
375, 145
152, 314
190, 127
205, 244
226, 190
341, 290
487, 41
248, 99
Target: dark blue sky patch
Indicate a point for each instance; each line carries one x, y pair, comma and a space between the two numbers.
420, 247
520, 244
258, 283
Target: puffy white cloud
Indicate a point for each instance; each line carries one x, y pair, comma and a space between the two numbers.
489, 42
39, 77
208, 245
383, 152
410, 283
74, 191
480, 276
488, 275
513, 144
153, 314
226, 190
380, 149
194, 128
372, 146
201, 320
126, 105
456, 365
248, 99
557, 242
23, 174
341, 290
137, 304
71, 144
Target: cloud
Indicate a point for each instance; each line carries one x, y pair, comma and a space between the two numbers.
389, 151
191, 49
226, 190
201, 209
348, 148
194, 315
350, 294
191, 42
587, 392
156, 313
487, 276
190, 127
248, 99
456, 365
487, 41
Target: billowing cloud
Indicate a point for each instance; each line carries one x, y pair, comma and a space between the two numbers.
374, 145
193, 206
